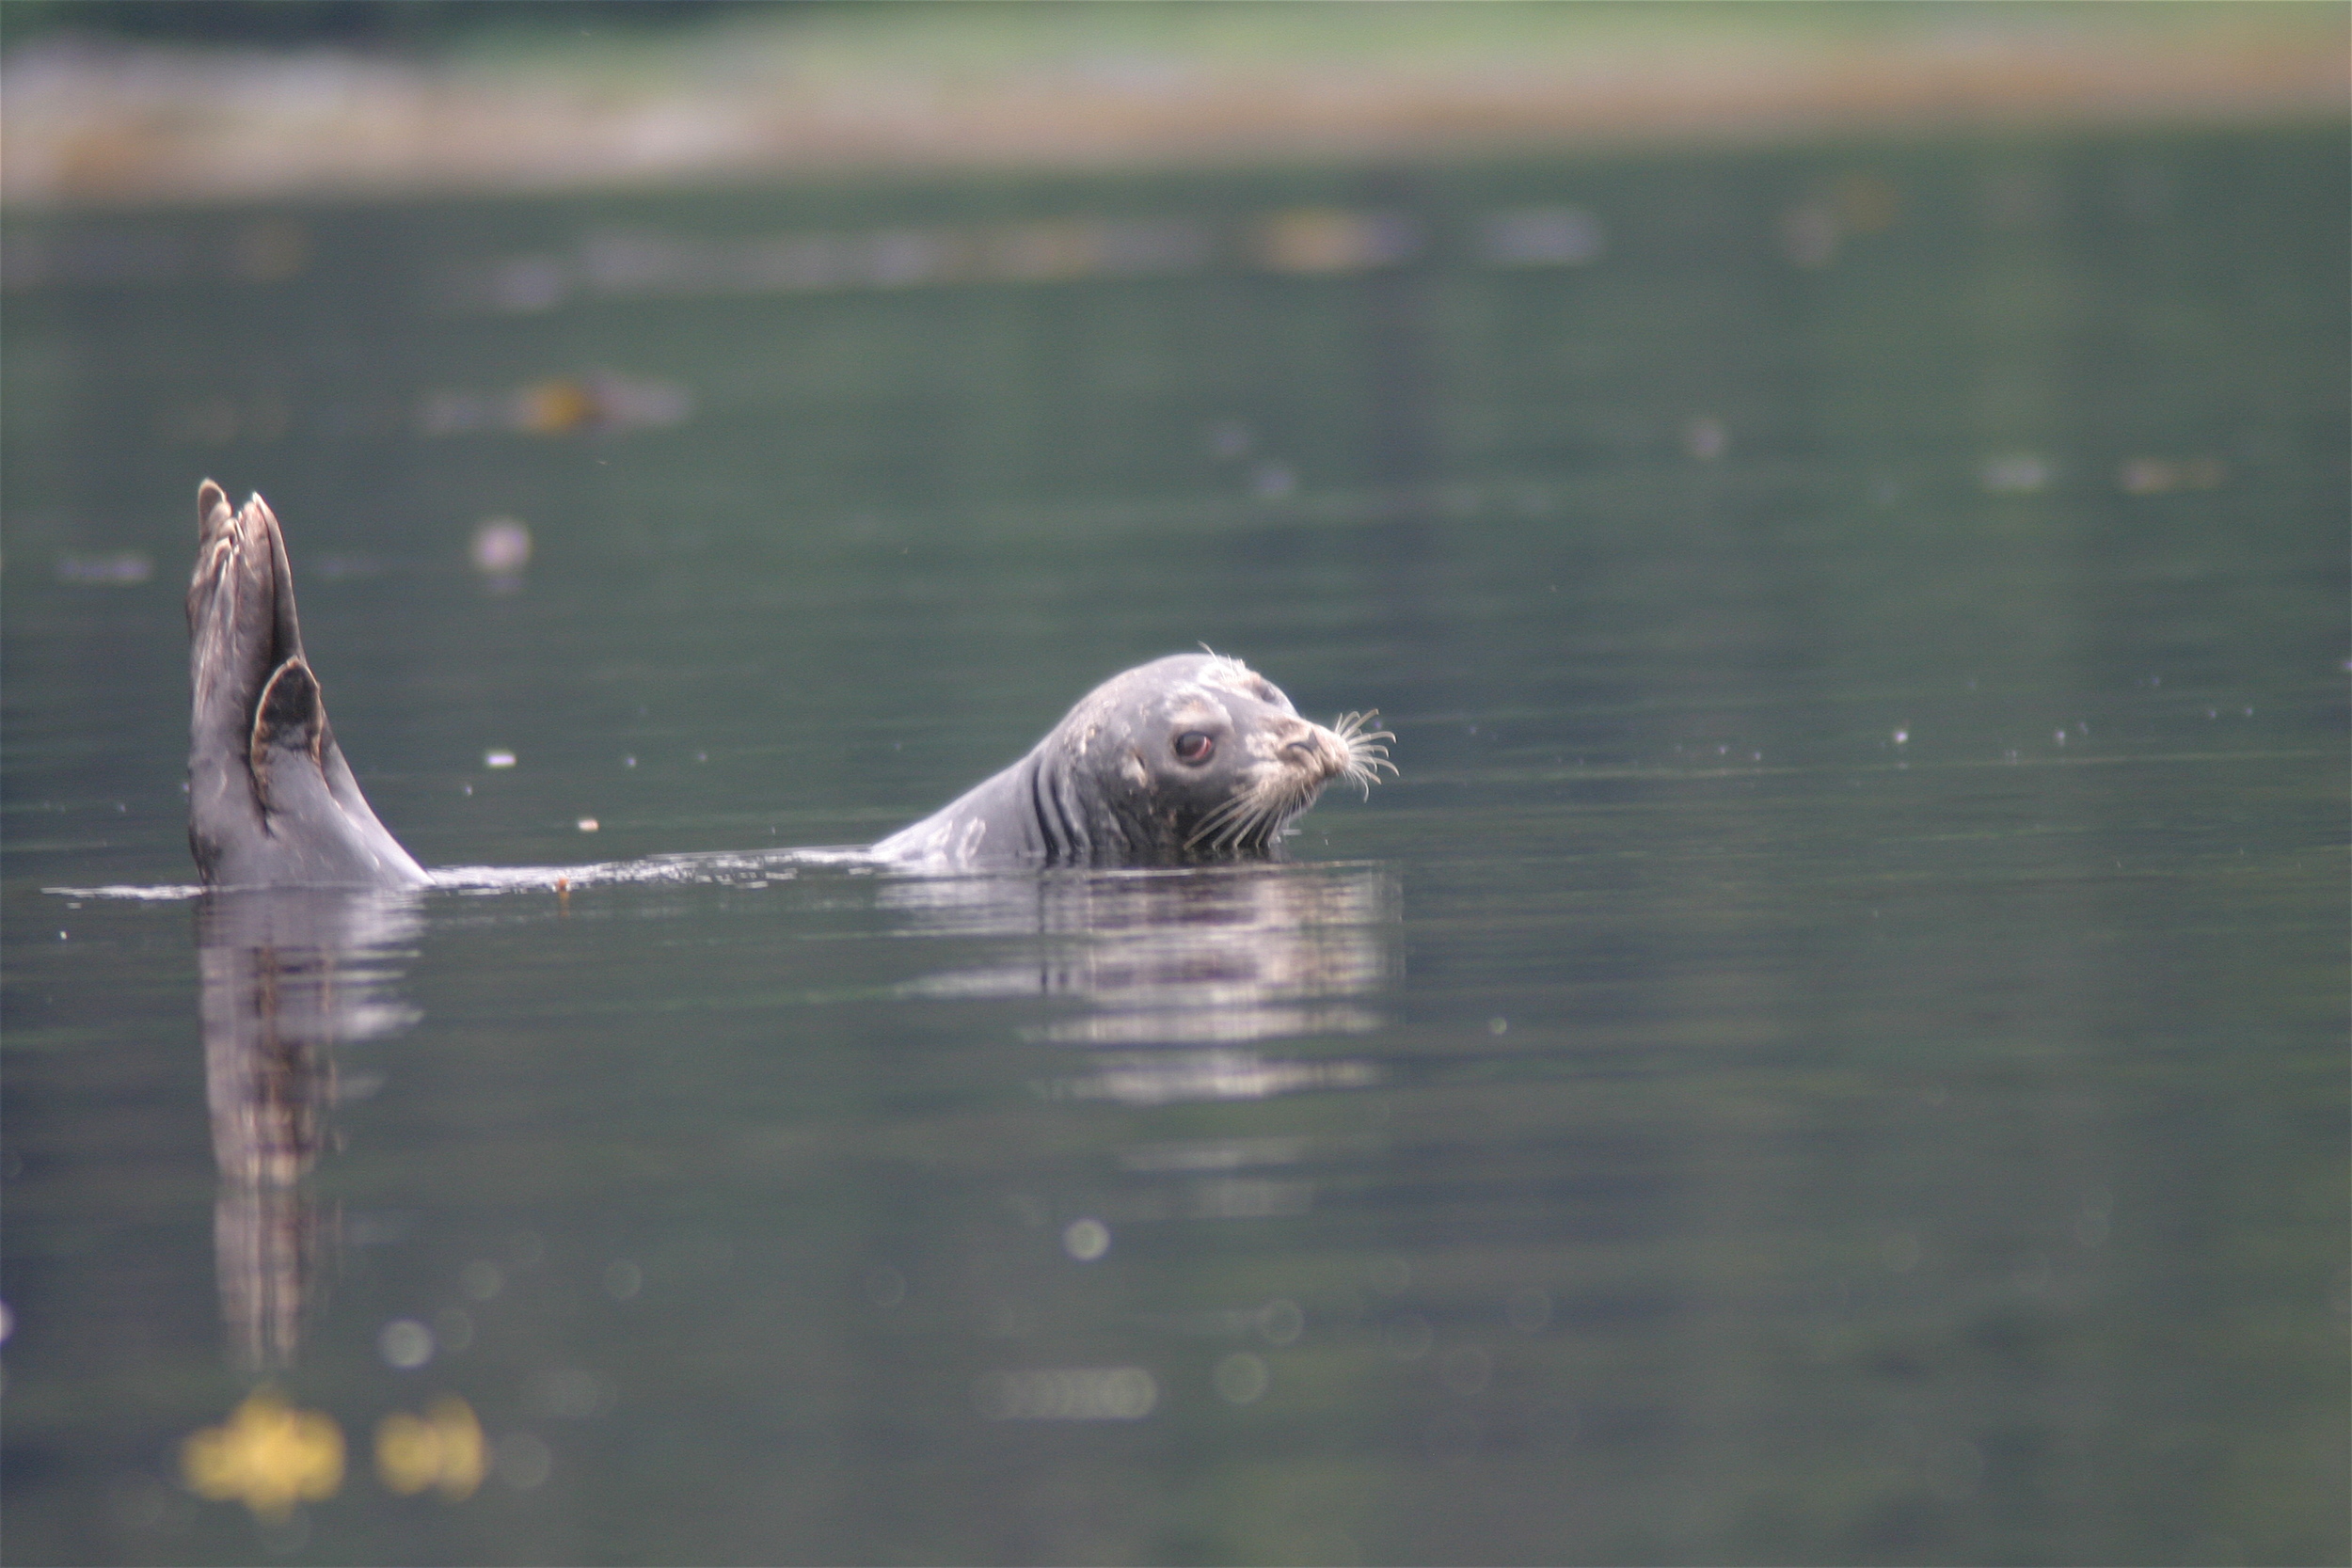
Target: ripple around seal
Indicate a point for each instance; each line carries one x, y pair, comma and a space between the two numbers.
716, 868
930, 892
167, 892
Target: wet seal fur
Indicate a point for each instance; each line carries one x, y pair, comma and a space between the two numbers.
1191, 758
271, 801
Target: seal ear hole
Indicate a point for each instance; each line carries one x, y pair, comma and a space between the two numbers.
1193, 748
288, 713
288, 717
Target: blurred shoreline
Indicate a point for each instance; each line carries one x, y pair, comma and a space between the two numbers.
916, 90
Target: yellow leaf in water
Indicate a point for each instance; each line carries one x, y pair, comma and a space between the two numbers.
407, 1453
443, 1448
267, 1456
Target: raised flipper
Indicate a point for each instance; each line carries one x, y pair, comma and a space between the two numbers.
271, 801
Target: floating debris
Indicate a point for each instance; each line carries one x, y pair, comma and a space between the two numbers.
267, 1455
270, 250
442, 1448
599, 401
1704, 440
1541, 237
501, 544
2021, 473
636, 264
120, 570
1336, 240
2157, 476
1066, 1394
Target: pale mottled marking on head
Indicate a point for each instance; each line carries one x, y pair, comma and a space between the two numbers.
1231, 675
1198, 707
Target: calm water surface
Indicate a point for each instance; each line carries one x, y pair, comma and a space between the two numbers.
1833, 1050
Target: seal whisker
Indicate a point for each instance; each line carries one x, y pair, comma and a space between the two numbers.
1366, 751
1215, 828
1253, 830
1239, 822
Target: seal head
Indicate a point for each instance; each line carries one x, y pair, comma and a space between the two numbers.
271, 800
1195, 756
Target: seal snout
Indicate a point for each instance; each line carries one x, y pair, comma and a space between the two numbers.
1314, 750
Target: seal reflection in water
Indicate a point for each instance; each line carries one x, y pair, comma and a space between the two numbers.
1191, 758
287, 974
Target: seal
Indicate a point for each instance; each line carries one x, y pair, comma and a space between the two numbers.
1191, 758
271, 800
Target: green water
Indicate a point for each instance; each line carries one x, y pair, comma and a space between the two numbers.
1832, 1050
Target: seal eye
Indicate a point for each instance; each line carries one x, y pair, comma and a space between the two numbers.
1193, 748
